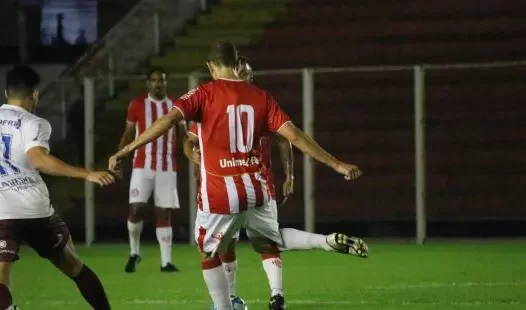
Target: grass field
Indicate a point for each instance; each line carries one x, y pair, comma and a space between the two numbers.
396, 276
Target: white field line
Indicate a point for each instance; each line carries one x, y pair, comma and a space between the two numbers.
429, 285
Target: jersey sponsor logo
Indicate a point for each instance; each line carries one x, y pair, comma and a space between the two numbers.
10, 122
232, 162
18, 184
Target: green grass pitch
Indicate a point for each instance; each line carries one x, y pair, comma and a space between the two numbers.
446, 276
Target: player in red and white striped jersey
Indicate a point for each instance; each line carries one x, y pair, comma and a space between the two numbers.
233, 116
154, 169
293, 239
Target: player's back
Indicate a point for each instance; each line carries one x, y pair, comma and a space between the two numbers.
23, 193
233, 116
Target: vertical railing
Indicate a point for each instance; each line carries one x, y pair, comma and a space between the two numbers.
308, 162
89, 152
193, 82
420, 154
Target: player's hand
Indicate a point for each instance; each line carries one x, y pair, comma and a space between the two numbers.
100, 177
196, 156
288, 187
349, 172
115, 162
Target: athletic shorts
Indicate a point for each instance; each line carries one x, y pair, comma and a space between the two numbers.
48, 236
163, 185
213, 232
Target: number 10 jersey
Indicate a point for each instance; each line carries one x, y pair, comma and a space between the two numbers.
232, 117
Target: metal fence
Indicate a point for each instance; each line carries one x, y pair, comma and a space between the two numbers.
307, 94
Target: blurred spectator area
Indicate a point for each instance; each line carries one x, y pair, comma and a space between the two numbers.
57, 30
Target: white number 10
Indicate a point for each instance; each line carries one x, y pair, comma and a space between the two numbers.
237, 134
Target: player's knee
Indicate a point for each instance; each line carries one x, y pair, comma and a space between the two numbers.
209, 262
265, 246
68, 261
5, 272
136, 212
163, 216
229, 255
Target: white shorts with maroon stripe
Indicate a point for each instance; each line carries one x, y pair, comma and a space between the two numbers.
215, 231
163, 185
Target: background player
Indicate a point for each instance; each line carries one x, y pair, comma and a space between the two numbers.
154, 169
26, 213
293, 239
233, 114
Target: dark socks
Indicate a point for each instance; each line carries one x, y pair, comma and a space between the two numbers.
91, 288
5, 297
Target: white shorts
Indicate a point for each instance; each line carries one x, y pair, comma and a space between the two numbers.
213, 232
163, 185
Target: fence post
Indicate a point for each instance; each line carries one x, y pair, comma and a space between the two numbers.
420, 154
156, 34
89, 146
308, 163
193, 82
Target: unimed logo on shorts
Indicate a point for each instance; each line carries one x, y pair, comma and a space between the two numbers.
134, 192
3, 244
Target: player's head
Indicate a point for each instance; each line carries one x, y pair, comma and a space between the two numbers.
222, 60
22, 86
156, 82
244, 70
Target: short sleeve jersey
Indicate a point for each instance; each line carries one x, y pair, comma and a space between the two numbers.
232, 117
23, 193
160, 154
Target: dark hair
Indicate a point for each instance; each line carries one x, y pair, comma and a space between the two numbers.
223, 53
21, 81
155, 70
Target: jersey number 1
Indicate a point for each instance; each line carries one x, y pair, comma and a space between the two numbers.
241, 137
6, 142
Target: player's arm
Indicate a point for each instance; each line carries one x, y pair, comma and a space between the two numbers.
127, 135
287, 160
191, 147
287, 157
36, 140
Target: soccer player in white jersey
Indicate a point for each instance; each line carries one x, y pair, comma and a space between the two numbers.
26, 214
293, 239
154, 170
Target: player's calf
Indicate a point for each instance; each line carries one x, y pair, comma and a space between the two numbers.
216, 281
273, 266
86, 280
229, 263
164, 235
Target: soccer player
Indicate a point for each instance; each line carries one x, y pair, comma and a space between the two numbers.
26, 214
154, 169
233, 116
293, 239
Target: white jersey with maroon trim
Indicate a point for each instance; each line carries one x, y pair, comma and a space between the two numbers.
23, 193
160, 154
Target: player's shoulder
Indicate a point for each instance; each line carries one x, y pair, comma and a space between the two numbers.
30, 119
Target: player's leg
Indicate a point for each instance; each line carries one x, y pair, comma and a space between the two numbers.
51, 239
229, 263
10, 245
263, 230
213, 235
166, 200
141, 187
294, 239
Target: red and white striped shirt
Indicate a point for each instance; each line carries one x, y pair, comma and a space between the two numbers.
233, 116
159, 155
265, 157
